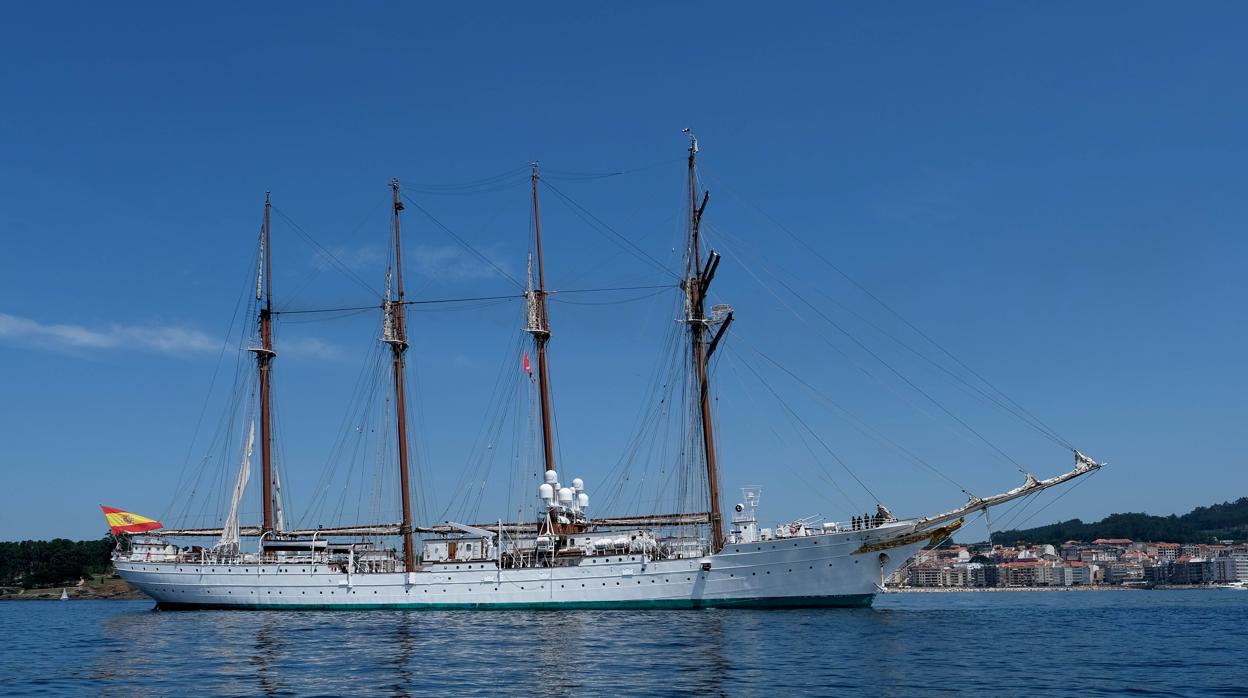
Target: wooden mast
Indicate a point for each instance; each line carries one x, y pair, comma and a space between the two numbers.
539, 327
264, 363
396, 337
698, 279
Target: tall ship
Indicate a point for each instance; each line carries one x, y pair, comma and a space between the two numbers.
562, 557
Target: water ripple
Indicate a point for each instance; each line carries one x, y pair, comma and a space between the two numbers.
1112, 643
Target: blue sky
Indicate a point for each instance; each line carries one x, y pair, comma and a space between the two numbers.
1054, 193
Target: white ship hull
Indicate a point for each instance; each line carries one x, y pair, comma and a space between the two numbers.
831, 569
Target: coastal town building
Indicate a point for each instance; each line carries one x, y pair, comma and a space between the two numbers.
1102, 562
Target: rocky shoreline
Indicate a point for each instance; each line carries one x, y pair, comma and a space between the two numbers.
105, 589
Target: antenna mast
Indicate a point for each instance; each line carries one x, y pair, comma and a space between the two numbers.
264, 364
697, 280
539, 327
396, 337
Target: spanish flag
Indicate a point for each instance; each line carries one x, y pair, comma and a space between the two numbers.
125, 522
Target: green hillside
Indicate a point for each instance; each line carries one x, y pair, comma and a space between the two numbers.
34, 563
1225, 521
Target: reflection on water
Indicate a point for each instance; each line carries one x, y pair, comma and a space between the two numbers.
908, 644
268, 654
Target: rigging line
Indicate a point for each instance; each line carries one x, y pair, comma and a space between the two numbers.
818, 255
579, 210
342, 267
355, 313
569, 175
750, 397
809, 430
372, 211
857, 421
897, 373
485, 181
225, 343
1026, 502
621, 301
982, 514
1009, 409
468, 192
463, 242
517, 184
429, 301
1051, 502
615, 288
819, 333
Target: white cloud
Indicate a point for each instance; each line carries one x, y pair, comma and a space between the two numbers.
428, 261
171, 340
309, 347
160, 339
452, 262
358, 259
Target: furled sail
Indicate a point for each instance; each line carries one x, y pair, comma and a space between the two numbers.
279, 518
230, 533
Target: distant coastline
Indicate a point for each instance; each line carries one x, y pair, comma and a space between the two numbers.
959, 590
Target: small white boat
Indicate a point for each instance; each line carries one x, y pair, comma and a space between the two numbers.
64, 595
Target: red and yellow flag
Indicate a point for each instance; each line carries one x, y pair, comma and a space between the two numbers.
125, 522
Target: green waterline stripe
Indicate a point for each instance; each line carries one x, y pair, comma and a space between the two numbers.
840, 601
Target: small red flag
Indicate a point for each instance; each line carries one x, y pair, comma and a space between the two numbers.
527, 368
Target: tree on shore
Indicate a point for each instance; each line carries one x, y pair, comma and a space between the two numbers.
57, 562
1226, 521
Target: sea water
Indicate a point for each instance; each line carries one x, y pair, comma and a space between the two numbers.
1183, 643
